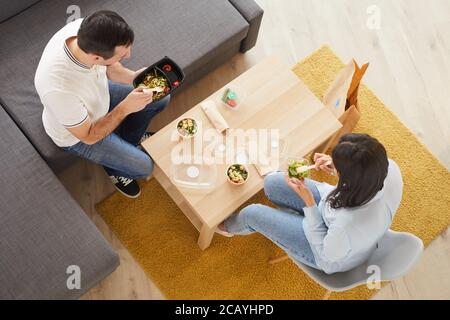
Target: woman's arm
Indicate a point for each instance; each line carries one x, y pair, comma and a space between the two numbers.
329, 245
324, 162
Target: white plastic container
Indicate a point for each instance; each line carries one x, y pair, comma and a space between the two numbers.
194, 176
299, 159
280, 147
187, 136
241, 95
235, 183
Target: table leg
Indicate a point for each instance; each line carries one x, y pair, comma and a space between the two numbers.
206, 234
205, 238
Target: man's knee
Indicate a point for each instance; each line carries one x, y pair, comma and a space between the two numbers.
144, 167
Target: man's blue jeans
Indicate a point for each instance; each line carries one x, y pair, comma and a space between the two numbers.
283, 226
118, 152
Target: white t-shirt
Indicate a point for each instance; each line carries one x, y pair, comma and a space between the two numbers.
69, 90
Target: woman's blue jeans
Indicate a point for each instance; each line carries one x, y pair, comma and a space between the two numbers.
283, 226
118, 153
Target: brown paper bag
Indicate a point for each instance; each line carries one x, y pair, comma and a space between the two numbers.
335, 97
349, 115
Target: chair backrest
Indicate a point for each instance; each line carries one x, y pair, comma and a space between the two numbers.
396, 253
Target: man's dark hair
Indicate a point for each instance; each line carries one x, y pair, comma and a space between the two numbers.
101, 32
362, 164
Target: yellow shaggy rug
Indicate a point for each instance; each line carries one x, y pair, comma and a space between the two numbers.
164, 242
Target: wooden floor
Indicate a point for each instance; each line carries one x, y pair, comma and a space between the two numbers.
410, 71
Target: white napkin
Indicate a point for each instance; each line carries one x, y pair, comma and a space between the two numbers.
210, 109
264, 169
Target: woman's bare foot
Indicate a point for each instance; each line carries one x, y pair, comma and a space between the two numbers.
222, 226
221, 230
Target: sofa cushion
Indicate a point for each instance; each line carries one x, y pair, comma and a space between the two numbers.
43, 231
193, 33
9, 9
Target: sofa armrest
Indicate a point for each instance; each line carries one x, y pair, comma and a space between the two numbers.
253, 13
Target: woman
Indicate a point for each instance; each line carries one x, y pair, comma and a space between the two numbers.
330, 228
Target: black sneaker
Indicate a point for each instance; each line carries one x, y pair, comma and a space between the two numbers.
128, 187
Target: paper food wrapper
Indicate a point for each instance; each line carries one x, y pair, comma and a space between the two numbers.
264, 170
342, 99
335, 97
267, 165
217, 120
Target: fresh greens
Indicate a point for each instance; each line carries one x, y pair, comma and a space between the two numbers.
187, 127
295, 165
237, 174
153, 80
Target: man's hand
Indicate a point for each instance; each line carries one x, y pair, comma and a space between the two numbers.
300, 187
136, 100
325, 163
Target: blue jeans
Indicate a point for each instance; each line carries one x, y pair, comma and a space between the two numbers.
283, 226
118, 153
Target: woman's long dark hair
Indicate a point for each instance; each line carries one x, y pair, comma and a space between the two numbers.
362, 164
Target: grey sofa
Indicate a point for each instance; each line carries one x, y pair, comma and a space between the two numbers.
42, 229
198, 34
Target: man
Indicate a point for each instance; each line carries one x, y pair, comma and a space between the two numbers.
90, 108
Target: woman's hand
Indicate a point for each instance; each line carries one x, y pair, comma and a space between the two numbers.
325, 163
300, 187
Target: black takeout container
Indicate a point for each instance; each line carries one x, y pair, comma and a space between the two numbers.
175, 76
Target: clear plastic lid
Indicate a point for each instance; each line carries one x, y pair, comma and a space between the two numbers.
194, 176
279, 147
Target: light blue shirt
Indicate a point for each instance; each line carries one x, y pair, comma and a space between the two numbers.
342, 239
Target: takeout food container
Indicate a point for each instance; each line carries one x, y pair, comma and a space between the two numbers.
237, 183
201, 176
238, 95
195, 123
166, 68
293, 163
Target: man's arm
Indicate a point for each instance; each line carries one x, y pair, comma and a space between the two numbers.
90, 132
118, 73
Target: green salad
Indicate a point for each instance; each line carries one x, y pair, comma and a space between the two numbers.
153, 80
294, 165
237, 174
187, 127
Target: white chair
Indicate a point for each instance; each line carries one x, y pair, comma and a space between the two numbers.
395, 255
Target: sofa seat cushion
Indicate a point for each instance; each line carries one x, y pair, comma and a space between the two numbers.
43, 230
9, 9
192, 32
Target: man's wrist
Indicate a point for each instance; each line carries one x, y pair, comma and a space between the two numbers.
122, 109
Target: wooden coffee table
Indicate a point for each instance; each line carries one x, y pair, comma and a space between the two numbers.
276, 99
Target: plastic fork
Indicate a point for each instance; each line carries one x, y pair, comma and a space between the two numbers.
155, 90
305, 168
